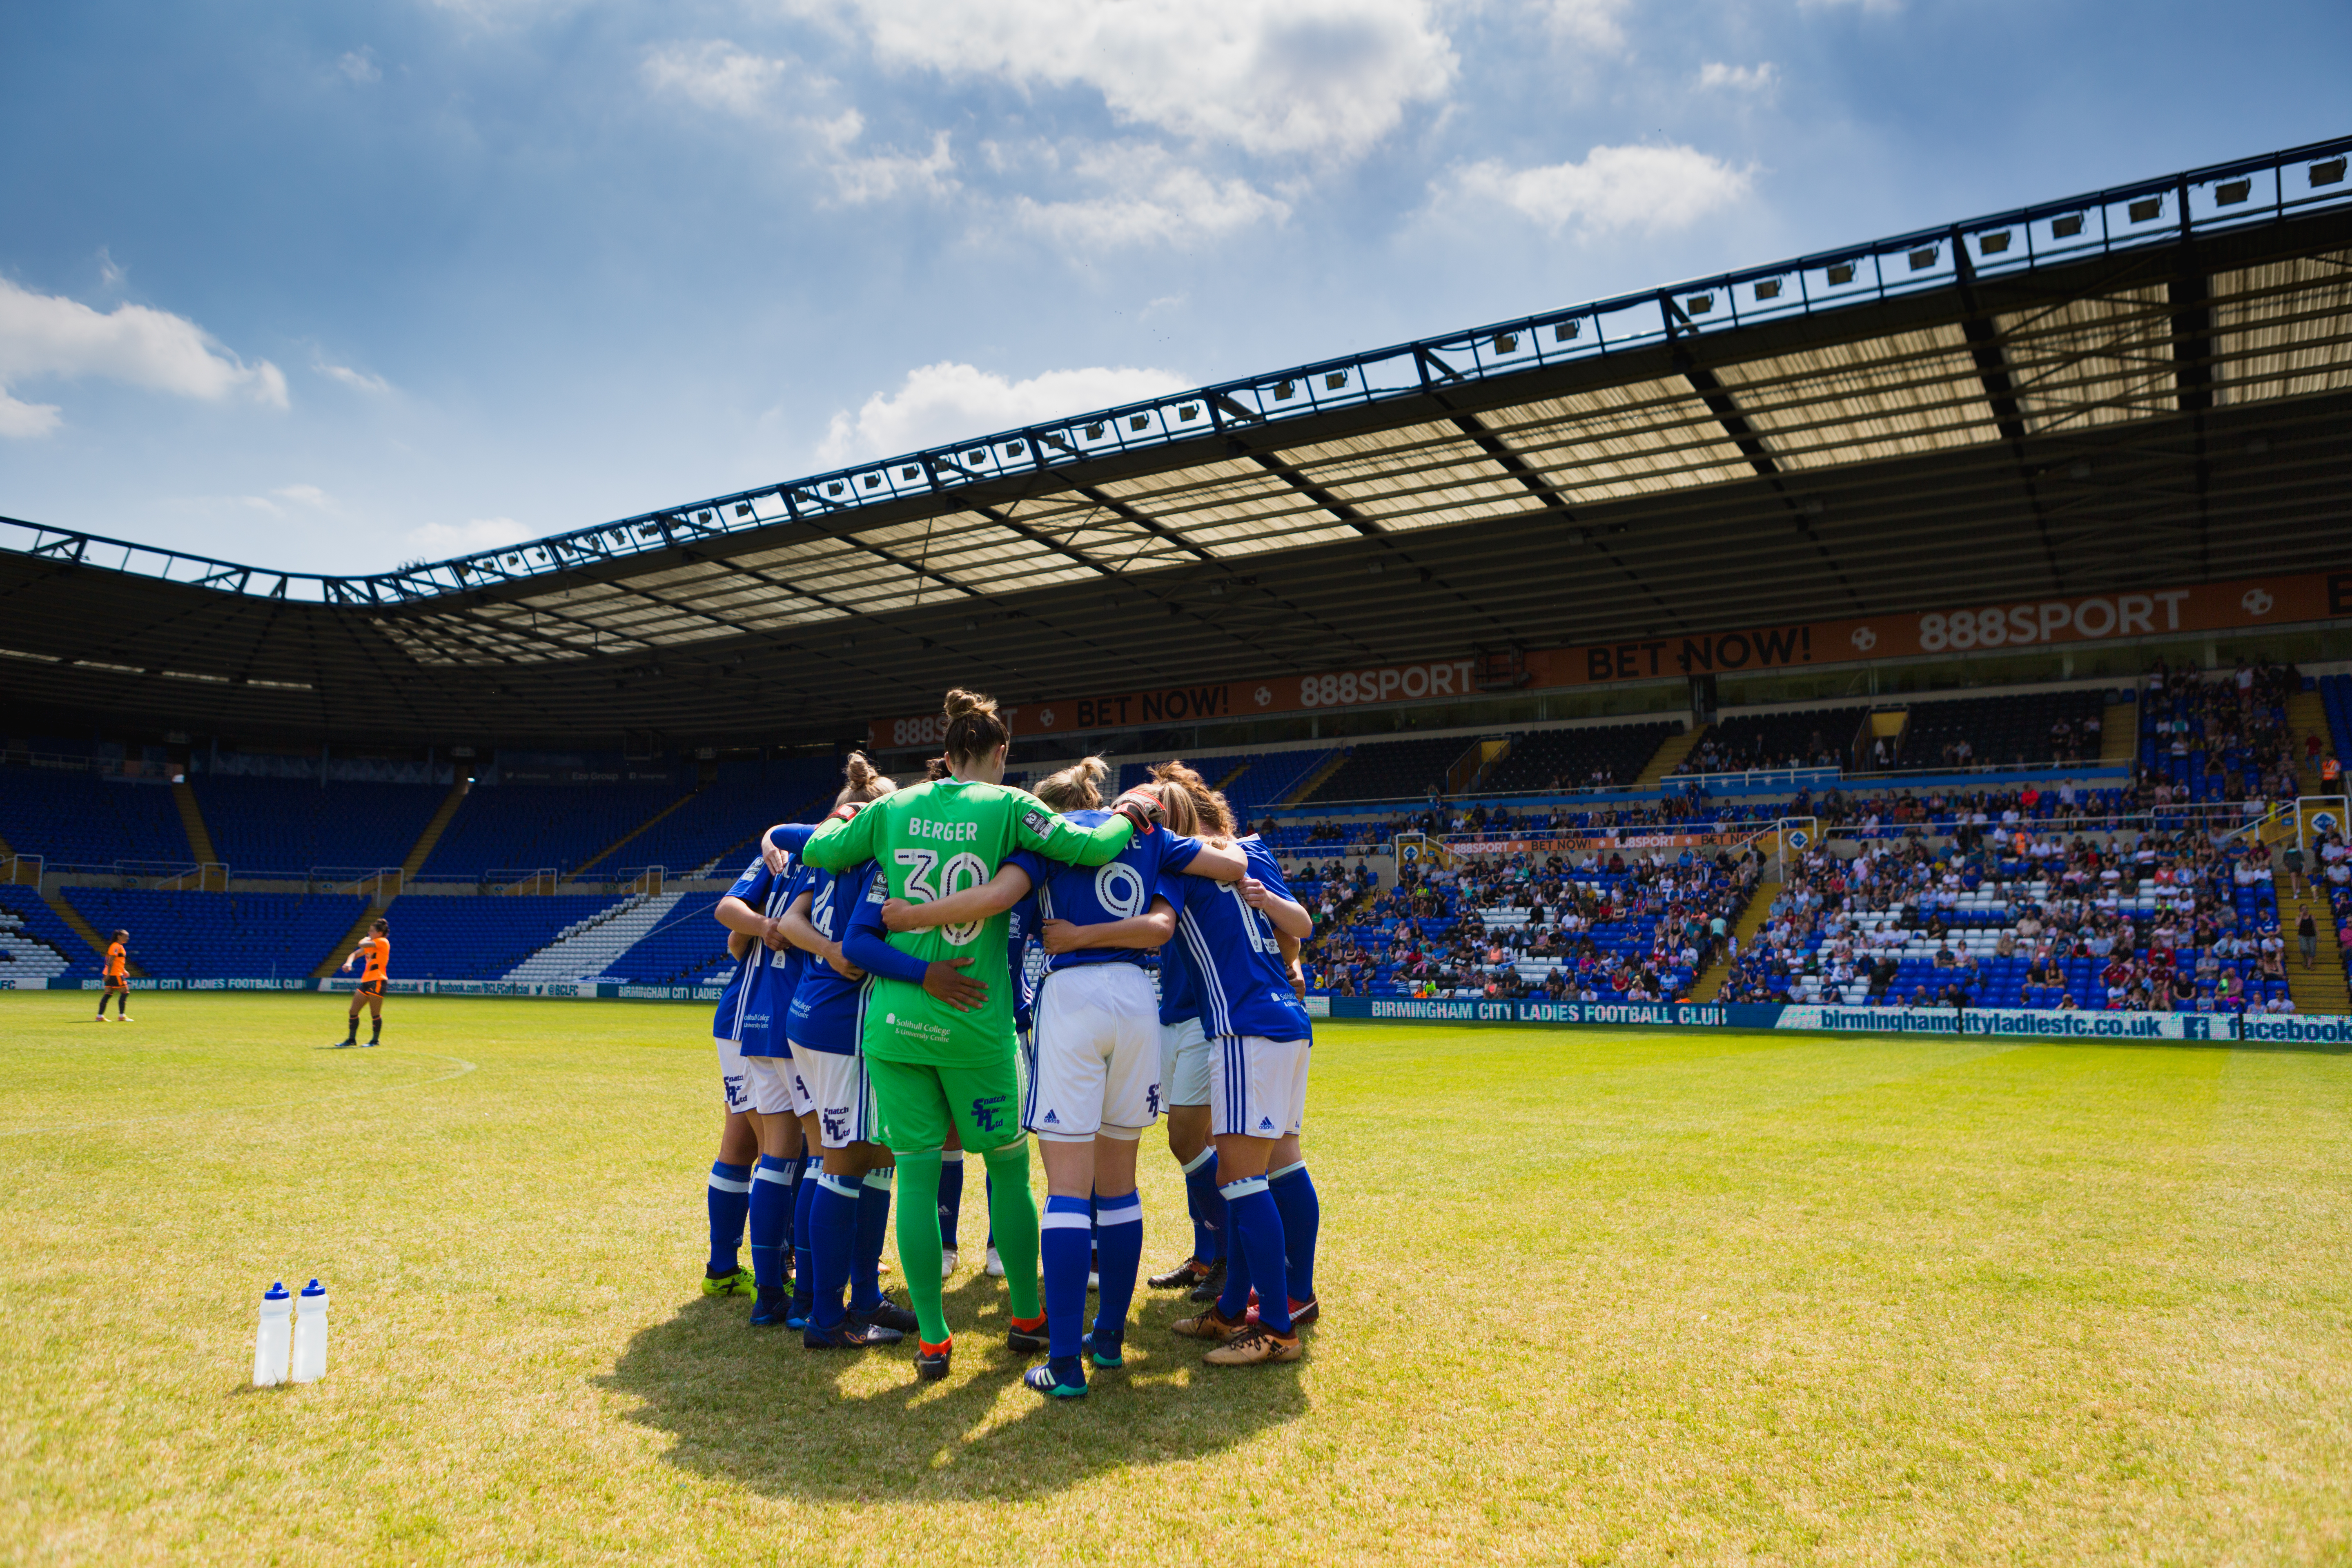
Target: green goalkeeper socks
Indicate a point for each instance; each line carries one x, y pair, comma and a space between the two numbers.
919, 1242
1012, 1214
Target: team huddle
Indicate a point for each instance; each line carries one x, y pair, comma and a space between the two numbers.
950, 968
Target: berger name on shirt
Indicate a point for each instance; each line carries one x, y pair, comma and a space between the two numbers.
952, 832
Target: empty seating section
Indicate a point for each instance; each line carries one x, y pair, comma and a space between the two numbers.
725, 814
189, 936
2336, 700
478, 937
38, 943
1269, 777
2020, 727
689, 945
264, 826
1393, 770
505, 826
1800, 738
1576, 759
88, 819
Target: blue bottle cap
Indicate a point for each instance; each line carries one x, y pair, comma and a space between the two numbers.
277, 1292
314, 1289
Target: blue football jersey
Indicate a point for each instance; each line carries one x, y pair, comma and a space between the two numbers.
1237, 967
827, 1010
779, 979
1026, 958
739, 1004
1180, 999
1120, 888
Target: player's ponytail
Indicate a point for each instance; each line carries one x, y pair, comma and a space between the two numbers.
936, 769
1078, 787
1210, 815
865, 781
974, 730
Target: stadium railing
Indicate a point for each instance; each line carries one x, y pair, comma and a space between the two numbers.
23, 870
381, 883
519, 879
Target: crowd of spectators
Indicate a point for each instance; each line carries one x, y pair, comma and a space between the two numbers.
2223, 739
2169, 923
1632, 925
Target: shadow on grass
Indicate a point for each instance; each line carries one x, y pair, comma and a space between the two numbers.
750, 1407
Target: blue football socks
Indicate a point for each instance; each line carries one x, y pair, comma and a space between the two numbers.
833, 1222
1206, 1205
730, 1203
771, 1219
1063, 1244
1255, 1239
804, 1239
873, 1228
951, 1195
1118, 1247
1302, 1217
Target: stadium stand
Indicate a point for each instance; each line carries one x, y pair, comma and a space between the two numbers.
1262, 779
1574, 759
585, 949
689, 946
265, 826
90, 819
1393, 770
190, 935
2022, 726
724, 816
505, 826
480, 937
1807, 737
38, 943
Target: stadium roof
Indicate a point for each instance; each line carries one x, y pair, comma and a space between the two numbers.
2144, 385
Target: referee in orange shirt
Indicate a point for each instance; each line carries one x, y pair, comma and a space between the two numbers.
118, 979
376, 949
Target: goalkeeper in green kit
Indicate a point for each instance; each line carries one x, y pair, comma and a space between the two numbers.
938, 1037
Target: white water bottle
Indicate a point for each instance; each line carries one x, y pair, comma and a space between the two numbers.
311, 1333
269, 1340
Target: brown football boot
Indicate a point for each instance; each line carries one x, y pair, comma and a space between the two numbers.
1255, 1346
1208, 1325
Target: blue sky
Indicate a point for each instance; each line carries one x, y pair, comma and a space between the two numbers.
331, 287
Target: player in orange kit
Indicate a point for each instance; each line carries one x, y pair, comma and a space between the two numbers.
376, 949
118, 979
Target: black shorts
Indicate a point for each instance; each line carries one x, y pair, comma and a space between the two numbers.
369, 988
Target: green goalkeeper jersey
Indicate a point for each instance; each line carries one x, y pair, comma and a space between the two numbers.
932, 840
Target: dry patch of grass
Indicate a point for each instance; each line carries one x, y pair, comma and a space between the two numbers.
1589, 1296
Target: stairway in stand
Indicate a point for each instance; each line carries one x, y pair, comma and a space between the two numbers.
2307, 715
1709, 983
2320, 989
1669, 756
414, 863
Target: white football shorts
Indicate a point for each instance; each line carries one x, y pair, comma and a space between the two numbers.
1184, 1058
1259, 1087
1095, 1064
840, 1094
771, 1080
732, 1081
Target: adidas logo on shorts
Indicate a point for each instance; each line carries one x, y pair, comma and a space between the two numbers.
1050, 1117
1266, 1123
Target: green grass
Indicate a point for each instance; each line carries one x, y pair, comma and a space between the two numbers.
1589, 1296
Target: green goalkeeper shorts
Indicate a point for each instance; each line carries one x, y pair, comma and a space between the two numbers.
918, 1103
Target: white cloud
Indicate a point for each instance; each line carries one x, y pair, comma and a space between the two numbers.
1145, 197
27, 421
359, 66
444, 539
357, 380
1589, 24
948, 402
1322, 76
48, 334
716, 75
1614, 187
877, 176
279, 501
1762, 77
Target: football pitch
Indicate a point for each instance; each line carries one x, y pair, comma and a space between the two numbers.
1589, 1296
